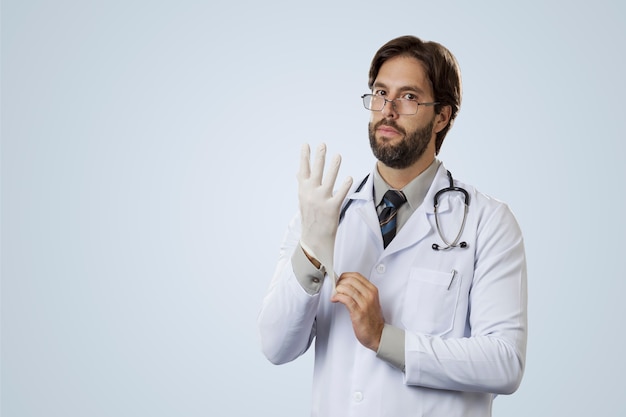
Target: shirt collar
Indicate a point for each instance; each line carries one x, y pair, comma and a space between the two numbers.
415, 191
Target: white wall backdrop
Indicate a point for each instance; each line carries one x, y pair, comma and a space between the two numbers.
149, 152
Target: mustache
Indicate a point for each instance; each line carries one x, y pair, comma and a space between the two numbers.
389, 123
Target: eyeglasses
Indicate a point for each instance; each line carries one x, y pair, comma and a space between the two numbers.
403, 106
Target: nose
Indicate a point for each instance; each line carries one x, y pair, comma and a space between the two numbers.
389, 110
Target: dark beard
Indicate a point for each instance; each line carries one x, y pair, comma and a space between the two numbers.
405, 153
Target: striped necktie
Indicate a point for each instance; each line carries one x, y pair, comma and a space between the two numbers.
392, 199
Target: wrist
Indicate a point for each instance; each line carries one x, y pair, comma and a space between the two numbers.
311, 259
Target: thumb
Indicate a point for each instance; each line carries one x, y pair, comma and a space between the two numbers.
342, 191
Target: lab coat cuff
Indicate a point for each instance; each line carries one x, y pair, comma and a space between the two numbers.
391, 346
309, 277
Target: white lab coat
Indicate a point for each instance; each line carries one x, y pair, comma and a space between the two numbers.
463, 311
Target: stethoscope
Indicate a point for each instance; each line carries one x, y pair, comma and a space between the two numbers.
449, 245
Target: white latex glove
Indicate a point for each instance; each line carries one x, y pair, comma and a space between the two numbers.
319, 208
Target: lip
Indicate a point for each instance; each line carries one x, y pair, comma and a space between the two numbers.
387, 130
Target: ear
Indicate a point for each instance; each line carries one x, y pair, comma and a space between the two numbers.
442, 119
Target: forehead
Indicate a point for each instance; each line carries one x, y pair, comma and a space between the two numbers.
402, 73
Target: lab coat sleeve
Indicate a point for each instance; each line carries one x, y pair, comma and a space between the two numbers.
286, 321
492, 358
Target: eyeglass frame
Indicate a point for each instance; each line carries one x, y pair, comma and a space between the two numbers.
393, 104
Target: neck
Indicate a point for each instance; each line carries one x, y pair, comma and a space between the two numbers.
397, 178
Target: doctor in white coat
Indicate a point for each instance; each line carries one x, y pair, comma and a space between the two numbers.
424, 324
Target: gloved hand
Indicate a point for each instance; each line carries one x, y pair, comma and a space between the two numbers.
319, 208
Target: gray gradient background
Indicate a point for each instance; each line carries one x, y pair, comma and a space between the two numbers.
129, 127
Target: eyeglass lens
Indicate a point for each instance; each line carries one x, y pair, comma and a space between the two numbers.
400, 105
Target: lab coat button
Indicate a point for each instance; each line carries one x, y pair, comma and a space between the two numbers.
358, 396
316, 280
380, 268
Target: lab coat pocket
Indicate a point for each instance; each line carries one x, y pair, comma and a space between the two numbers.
430, 301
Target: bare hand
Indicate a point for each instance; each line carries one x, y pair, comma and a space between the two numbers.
360, 297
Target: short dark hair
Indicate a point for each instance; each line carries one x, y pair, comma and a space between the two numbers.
442, 70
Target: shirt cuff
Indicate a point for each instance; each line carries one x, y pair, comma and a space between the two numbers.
309, 277
391, 347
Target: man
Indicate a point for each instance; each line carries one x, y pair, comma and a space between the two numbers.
428, 314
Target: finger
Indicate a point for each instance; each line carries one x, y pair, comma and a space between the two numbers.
356, 286
331, 172
342, 192
347, 291
346, 300
353, 298
352, 277
305, 156
318, 164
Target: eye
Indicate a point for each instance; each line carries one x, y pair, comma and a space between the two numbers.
380, 92
410, 96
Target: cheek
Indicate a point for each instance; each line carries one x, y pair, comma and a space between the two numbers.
416, 124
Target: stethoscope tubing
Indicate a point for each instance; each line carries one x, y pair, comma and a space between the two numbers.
455, 243
449, 245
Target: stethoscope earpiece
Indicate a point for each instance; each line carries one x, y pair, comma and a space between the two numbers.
462, 245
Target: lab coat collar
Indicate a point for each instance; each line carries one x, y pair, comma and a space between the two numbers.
363, 203
421, 224
366, 193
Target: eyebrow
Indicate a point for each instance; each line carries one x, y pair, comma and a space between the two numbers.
415, 88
